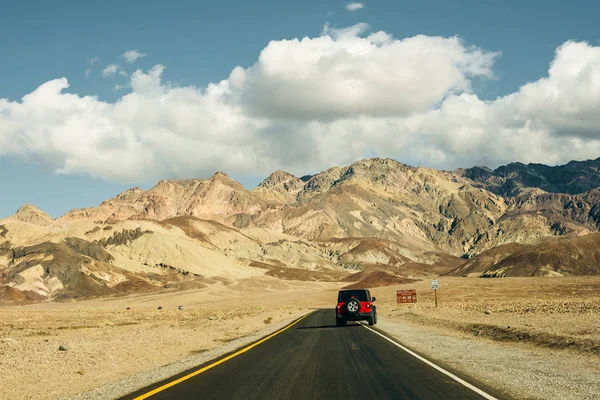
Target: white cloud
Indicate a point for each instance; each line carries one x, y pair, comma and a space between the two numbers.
110, 70
113, 69
354, 6
88, 70
568, 100
308, 104
344, 74
132, 56
118, 87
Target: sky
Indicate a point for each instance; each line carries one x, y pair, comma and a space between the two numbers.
98, 97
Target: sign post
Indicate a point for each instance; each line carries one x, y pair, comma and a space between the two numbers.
435, 286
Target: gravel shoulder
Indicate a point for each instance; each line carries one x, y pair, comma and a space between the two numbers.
528, 338
111, 350
516, 370
117, 389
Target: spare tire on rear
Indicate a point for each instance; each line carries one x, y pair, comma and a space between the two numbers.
353, 306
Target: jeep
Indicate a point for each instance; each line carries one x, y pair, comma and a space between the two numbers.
355, 305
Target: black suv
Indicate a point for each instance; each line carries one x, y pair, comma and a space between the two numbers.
355, 305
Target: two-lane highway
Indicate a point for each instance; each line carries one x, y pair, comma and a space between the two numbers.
314, 359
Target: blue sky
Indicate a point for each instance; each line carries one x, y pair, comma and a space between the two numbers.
202, 42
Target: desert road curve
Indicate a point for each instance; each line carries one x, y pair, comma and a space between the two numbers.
314, 359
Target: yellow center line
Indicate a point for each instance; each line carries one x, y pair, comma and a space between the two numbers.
221, 361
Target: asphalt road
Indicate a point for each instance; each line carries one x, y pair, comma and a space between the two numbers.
314, 359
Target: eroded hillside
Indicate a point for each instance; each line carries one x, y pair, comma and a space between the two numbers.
376, 216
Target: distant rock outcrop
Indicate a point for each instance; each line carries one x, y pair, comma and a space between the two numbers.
32, 215
218, 198
280, 187
548, 257
574, 177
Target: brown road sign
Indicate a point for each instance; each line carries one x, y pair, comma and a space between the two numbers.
406, 296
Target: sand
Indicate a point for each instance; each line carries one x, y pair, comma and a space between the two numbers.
557, 358
107, 343
539, 339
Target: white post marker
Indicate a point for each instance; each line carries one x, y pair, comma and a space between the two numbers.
435, 286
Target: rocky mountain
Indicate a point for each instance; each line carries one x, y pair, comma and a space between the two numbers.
421, 208
375, 218
548, 257
82, 259
215, 198
32, 215
574, 177
280, 187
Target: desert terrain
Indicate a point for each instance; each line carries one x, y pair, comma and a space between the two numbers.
530, 338
551, 323
107, 343
516, 251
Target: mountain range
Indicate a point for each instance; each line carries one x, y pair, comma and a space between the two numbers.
376, 217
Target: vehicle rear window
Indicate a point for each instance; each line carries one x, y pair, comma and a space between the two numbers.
345, 295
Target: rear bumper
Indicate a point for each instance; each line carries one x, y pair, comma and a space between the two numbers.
356, 317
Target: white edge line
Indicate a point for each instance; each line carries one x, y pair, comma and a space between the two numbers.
440, 369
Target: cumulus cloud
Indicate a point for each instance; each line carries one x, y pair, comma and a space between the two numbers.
567, 101
345, 73
132, 56
113, 69
307, 104
354, 6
